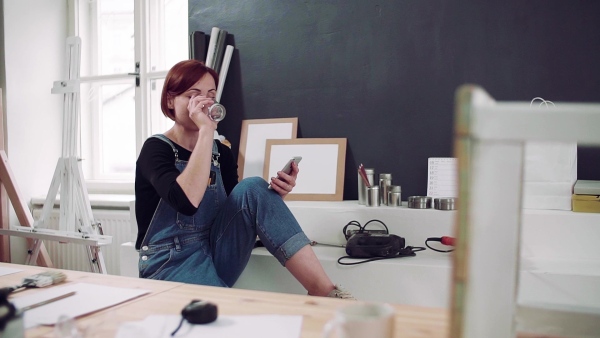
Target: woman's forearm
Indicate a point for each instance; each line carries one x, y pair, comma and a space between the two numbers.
194, 178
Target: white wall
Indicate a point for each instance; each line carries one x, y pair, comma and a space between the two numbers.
34, 37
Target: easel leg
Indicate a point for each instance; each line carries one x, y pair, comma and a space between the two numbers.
96, 259
34, 251
21, 209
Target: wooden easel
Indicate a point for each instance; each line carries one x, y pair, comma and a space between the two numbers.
4, 240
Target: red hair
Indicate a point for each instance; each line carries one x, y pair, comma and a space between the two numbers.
180, 78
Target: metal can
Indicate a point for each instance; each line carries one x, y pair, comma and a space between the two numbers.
419, 202
373, 196
394, 196
385, 180
444, 203
362, 188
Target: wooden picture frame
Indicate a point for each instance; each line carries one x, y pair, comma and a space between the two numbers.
321, 176
253, 139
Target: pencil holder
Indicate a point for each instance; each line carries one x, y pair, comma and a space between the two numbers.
362, 188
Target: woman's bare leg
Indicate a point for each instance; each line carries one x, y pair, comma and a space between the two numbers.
306, 268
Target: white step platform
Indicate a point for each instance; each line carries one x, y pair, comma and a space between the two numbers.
560, 264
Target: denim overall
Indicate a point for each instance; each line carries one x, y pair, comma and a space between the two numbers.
213, 246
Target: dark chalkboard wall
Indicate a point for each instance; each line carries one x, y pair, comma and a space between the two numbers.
383, 73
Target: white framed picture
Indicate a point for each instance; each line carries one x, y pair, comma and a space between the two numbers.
253, 138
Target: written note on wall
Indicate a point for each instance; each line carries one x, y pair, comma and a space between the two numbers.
442, 177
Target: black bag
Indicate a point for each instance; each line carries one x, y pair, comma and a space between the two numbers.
368, 245
374, 246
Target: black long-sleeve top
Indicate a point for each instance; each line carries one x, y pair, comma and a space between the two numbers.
155, 178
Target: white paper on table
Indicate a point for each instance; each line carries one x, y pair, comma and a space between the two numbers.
87, 298
7, 271
250, 326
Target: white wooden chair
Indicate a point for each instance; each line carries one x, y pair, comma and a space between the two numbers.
489, 143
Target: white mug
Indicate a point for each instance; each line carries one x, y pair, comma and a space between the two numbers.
362, 320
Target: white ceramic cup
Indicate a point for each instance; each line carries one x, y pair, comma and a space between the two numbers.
361, 320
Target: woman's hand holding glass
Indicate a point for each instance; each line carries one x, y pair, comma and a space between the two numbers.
198, 110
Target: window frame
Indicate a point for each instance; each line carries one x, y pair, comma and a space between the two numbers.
143, 11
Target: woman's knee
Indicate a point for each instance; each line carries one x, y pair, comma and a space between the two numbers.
252, 186
253, 182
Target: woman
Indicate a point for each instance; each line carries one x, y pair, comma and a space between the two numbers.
196, 224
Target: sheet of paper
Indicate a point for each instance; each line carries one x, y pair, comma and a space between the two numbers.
88, 298
442, 177
7, 271
251, 326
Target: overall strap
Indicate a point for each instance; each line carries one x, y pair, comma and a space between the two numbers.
215, 148
166, 139
215, 153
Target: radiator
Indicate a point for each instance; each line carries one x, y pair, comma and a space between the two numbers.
115, 223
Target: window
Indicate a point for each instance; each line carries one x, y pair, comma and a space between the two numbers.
127, 48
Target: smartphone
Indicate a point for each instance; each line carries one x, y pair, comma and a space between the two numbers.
287, 168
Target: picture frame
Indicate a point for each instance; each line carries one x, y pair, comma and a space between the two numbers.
322, 167
253, 140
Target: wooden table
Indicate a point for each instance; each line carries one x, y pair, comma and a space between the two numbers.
169, 298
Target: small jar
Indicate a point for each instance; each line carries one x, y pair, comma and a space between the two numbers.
385, 180
373, 196
444, 203
419, 202
394, 196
